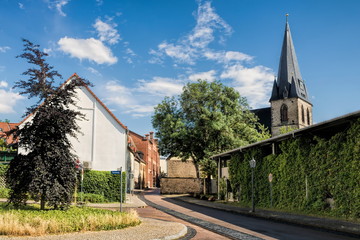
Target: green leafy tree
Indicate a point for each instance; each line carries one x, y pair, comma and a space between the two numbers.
207, 118
3, 145
46, 171
287, 129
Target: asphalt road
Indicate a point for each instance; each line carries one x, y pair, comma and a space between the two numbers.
271, 229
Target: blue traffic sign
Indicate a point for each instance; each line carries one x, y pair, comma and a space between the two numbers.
115, 172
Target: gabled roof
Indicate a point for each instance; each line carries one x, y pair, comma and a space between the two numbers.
96, 98
134, 149
5, 128
264, 115
289, 82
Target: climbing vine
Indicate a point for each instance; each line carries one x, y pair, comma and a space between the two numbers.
310, 174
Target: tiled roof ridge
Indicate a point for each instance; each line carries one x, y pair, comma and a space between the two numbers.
136, 134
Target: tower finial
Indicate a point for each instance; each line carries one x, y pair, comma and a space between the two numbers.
287, 16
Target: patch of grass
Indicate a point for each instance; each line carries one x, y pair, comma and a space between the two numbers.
4, 192
91, 197
30, 221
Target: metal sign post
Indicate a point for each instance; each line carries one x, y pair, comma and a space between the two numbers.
121, 197
120, 189
82, 185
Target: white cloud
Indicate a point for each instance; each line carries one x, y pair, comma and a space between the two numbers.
91, 49
58, 4
207, 22
130, 52
253, 83
8, 100
227, 57
4, 49
209, 76
181, 53
3, 84
193, 45
107, 32
161, 86
237, 56
136, 105
140, 100
99, 2
21, 6
48, 50
94, 71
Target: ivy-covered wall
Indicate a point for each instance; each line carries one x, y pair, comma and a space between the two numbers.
310, 174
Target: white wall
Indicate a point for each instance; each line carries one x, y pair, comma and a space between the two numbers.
163, 165
103, 141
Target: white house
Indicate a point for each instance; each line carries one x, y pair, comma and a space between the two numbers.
102, 143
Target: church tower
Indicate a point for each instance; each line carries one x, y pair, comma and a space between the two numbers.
290, 104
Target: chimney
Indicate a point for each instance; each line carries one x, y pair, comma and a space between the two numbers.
146, 136
151, 135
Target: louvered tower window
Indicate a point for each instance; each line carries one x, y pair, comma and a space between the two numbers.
302, 114
284, 113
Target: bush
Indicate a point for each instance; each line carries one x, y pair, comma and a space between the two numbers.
3, 169
104, 183
4, 193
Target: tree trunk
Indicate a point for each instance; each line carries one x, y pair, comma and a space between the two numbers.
196, 164
42, 202
197, 169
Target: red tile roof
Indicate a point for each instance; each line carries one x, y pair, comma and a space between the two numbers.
4, 132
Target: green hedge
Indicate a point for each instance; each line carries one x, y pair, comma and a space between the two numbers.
306, 172
90, 197
95, 182
104, 183
3, 169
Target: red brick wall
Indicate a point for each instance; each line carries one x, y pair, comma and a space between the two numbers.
149, 147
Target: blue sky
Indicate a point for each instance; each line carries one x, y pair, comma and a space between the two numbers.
136, 52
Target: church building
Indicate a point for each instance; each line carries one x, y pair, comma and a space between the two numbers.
290, 104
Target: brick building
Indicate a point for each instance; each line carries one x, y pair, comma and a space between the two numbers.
147, 146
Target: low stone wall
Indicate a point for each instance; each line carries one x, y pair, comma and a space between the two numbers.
180, 185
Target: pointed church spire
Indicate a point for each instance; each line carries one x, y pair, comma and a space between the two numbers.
289, 82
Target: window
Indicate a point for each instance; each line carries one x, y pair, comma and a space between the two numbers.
284, 113
302, 114
308, 116
301, 85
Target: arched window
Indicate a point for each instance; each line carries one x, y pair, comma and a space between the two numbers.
284, 113
302, 114
308, 116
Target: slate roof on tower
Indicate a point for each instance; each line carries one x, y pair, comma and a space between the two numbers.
289, 83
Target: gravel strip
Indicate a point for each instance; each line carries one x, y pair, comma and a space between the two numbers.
148, 229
